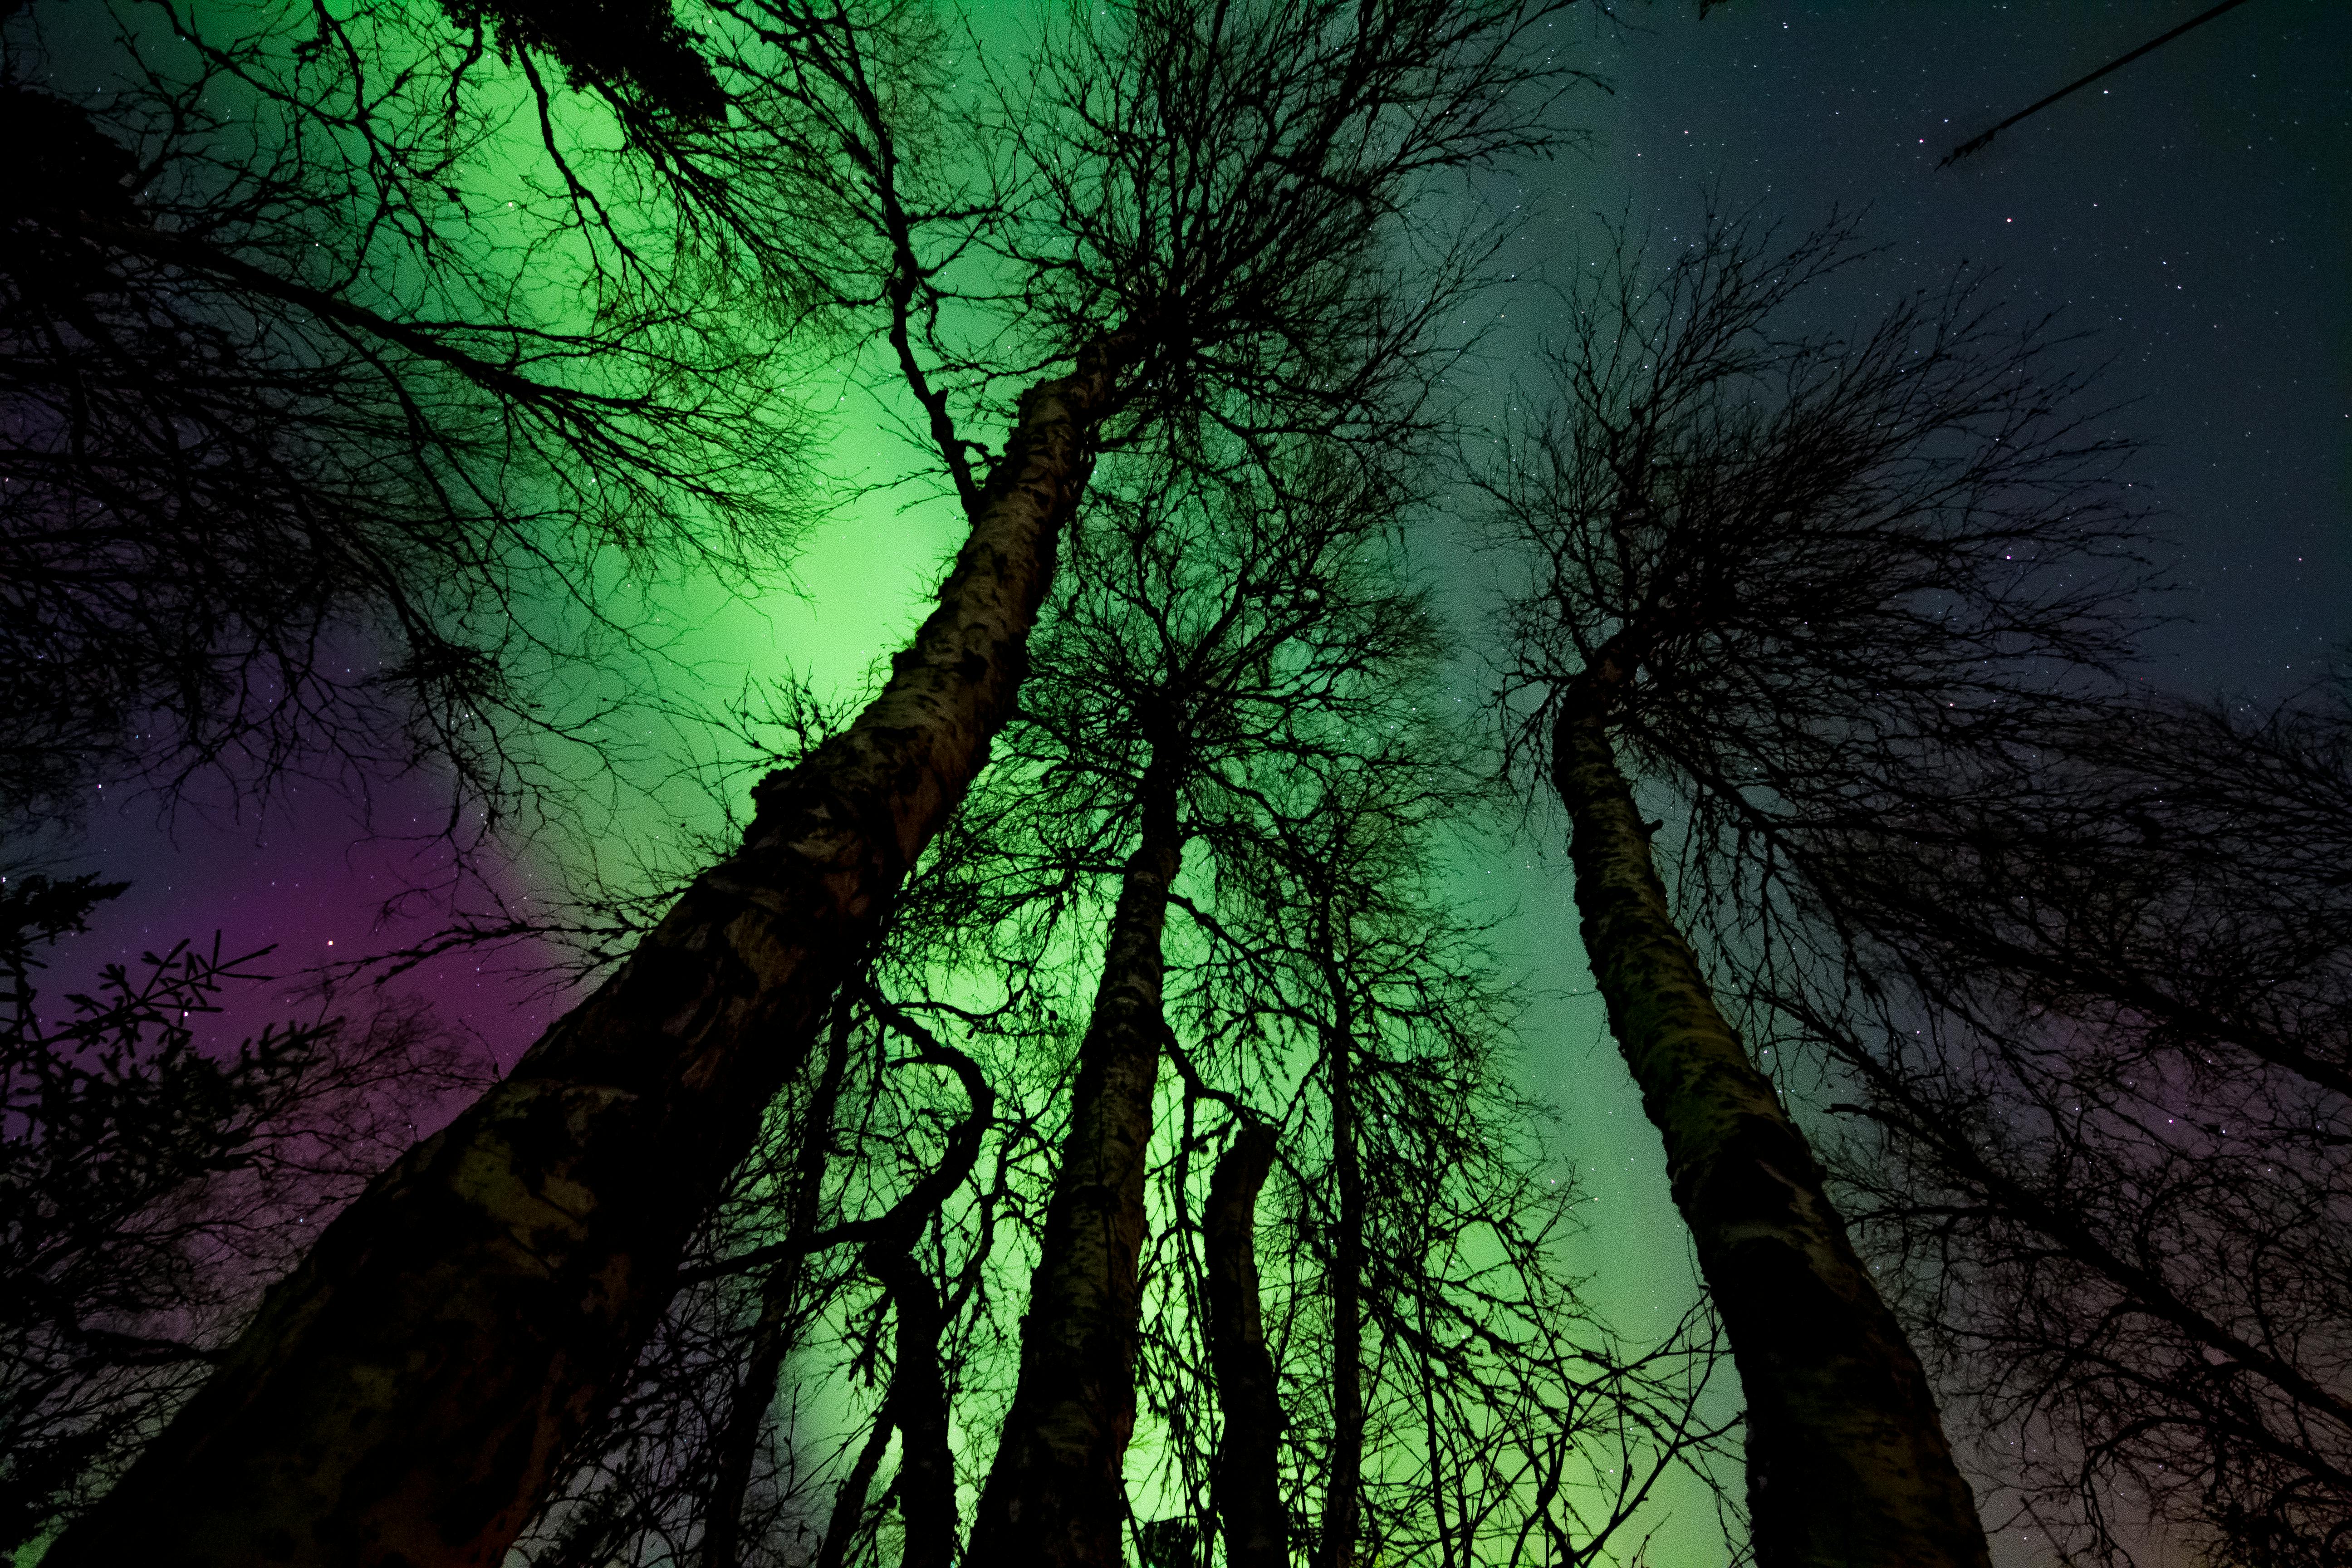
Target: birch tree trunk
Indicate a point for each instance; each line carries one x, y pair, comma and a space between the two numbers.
919, 1404
1342, 1510
1848, 1466
405, 1397
772, 1336
1245, 1486
1055, 1495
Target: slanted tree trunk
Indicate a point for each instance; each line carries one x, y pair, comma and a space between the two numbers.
405, 1397
1847, 1462
919, 1404
1054, 1497
848, 1513
1244, 1486
772, 1335
1342, 1509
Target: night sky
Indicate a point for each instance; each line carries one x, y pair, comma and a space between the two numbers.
2194, 209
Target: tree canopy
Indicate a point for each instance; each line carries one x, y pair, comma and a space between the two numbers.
1067, 1110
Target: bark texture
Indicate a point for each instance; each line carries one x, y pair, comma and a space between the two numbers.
1342, 1509
1054, 1497
919, 1404
771, 1337
1245, 1486
405, 1397
1848, 1466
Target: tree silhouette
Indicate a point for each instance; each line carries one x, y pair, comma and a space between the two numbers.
2104, 1066
1100, 981
1766, 571
1442, 1380
1217, 636
1254, 643
1208, 245
1245, 1491
296, 477
148, 1187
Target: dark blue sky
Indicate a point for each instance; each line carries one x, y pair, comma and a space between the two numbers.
2194, 208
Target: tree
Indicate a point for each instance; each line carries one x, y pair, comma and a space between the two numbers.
1443, 1380
1246, 1490
1252, 646
1255, 644
2103, 1069
149, 1186
1763, 571
1218, 633
295, 478
532, 1245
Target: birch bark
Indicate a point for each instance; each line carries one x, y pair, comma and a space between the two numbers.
405, 1397
1848, 1465
1055, 1493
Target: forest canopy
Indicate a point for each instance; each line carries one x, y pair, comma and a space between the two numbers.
1057, 1102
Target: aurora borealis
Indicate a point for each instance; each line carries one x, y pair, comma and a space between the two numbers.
2193, 214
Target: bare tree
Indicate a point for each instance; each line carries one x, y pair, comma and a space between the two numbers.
834, 1247
1229, 250
1251, 644
1766, 570
1210, 622
1443, 1385
1245, 1489
1210, 626
294, 473
149, 1186
2103, 1069
1253, 641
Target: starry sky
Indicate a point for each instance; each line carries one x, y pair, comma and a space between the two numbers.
2194, 210
2192, 213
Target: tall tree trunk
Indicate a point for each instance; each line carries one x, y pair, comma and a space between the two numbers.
919, 1403
1343, 1509
1436, 1444
848, 1513
926, 1484
1054, 1496
1244, 1486
772, 1335
405, 1397
1847, 1462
